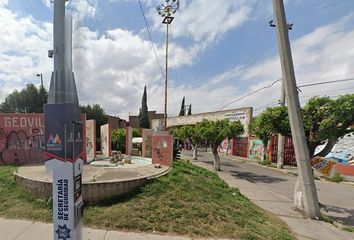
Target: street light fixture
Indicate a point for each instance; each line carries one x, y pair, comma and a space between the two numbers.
166, 11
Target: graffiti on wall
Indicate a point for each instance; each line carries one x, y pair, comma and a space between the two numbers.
225, 146
147, 141
162, 150
256, 150
106, 140
90, 139
21, 138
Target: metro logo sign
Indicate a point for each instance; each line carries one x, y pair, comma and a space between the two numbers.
54, 140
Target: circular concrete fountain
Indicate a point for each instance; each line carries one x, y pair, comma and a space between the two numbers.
101, 179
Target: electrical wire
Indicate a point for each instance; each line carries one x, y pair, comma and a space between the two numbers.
152, 43
300, 86
249, 94
327, 82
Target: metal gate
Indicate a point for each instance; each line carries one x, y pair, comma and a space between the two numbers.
240, 147
289, 152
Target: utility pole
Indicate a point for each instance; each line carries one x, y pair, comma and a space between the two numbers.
306, 197
167, 11
166, 74
280, 157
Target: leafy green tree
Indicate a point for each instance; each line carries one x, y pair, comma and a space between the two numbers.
143, 112
118, 140
181, 112
268, 123
216, 131
191, 133
28, 100
190, 109
43, 97
325, 121
137, 132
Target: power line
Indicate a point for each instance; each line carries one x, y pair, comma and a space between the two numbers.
300, 86
328, 82
152, 43
245, 96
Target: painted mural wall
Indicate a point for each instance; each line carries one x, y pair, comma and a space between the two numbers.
21, 138
256, 149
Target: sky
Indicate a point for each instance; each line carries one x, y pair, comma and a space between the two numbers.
219, 51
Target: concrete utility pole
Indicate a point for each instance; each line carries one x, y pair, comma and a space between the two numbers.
280, 157
306, 198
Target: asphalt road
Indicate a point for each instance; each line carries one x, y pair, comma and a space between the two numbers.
338, 198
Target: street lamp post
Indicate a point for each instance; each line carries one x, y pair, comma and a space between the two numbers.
166, 11
41, 76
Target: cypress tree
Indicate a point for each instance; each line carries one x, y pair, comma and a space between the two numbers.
143, 112
181, 112
190, 109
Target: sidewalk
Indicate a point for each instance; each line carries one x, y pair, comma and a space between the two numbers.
280, 205
27, 230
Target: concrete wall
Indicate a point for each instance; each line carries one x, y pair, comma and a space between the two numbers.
90, 139
106, 140
242, 114
91, 192
22, 139
162, 149
147, 143
134, 120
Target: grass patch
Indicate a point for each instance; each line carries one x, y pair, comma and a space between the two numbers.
337, 178
267, 163
188, 201
348, 229
18, 203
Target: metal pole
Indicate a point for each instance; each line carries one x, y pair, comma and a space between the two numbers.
280, 156
41, 80
307, 183
166, 74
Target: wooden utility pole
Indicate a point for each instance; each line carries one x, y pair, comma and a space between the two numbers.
306, 198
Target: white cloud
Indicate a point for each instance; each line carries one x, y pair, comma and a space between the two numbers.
83, 9
205, 21
112, 68
23, 50
322, 55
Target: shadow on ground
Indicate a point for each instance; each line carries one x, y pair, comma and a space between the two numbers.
256, 178
346, 215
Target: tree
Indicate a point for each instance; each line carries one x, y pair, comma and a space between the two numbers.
325, 121
190, 109
118, 139
181, 112
143, 112
28, 100
191, 133
268, 123
43, 97
216, 131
